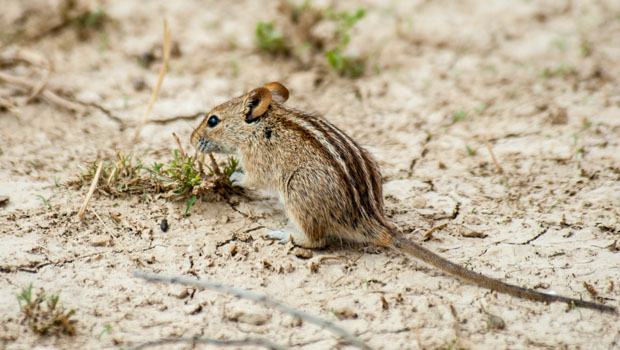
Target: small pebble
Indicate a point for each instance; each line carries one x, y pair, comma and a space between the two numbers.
252, 317
302, 253
99, 241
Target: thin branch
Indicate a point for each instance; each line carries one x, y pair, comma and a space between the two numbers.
162, 71
91, 190
8, 104
262, 299
220, 342
176, 138
574, 152
47, 94
40, 86
116, 240
216, 168
105, 111
23, 55
499, 167
429, 233
200, 158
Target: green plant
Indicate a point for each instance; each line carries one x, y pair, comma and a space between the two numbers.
94, 17
45, 202
181, 171
470, 151
34, 165
25, 296
460, 115
44, 315
189, 205
561, 71
586, 48
106, 329
91, 19
181, 177
232, 166
345, 65
480, 108
269, 38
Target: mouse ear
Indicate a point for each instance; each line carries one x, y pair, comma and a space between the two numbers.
278, 91
256, 103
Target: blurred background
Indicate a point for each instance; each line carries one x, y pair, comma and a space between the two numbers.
431, 88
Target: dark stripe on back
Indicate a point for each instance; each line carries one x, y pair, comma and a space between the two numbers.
373, 174
325, 154
354, 165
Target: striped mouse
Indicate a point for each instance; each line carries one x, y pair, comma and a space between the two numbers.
330, 186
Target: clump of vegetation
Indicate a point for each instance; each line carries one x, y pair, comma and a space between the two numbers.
459, 115
345, 65
91, 19
561, 71
293, 35
44, 315
181, 177
270, 39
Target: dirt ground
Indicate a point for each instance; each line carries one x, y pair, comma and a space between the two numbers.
538, 79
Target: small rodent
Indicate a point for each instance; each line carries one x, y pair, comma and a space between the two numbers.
330, 186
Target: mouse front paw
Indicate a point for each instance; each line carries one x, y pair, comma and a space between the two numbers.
237, 178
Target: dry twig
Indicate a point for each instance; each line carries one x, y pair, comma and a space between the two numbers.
198, 340
8, 105
47, 94
91, 190
216, 168
499, 167
176, 138
162, 71
429, 233
257, 298
116, 240
40, 86
574, 152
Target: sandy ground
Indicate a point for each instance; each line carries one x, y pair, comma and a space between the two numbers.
537, 78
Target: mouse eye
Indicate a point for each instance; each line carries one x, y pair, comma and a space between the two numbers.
213, 121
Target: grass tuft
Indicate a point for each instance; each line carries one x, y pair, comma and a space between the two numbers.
299, 40
270, 39
460, 115
182, 176
341, 63
44, 315
45, 202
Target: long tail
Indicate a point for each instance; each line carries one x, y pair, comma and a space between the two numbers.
402, 244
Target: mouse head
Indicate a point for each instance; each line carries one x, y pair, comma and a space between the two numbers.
233, 123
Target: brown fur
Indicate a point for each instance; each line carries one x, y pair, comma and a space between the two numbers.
331, 186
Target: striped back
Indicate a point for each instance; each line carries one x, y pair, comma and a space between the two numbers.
355, 167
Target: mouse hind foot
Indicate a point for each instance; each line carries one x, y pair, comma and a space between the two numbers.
296, 237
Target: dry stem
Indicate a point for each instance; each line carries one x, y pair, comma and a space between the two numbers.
257, 298
499, 167
216, 168
91, 190
176, 138
39, 87
197, 340
429, 233
116, 240
47, 94
162, 71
